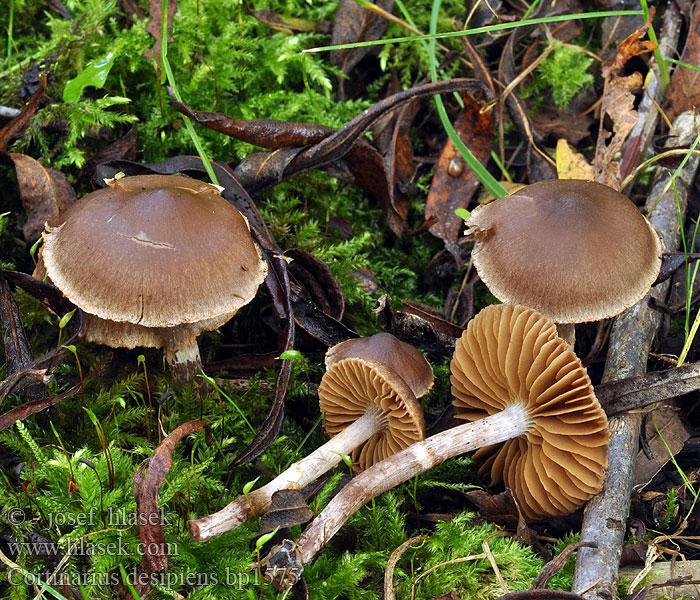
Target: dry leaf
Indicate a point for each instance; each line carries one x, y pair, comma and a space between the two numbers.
454, 183
571, 164
45, 193
618, 105
684, 92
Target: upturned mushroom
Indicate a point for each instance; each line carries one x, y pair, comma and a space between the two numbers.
539, 403
368, 397
153, 261
573, 250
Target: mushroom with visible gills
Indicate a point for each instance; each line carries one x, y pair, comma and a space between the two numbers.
511, 366
368, 397
154, 260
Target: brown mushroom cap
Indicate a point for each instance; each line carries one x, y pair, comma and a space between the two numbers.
573, 250
352, 387
402, 358
155, 251
512, 354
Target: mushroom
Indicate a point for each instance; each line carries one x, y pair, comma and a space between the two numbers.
368, 397
573, 250
511, 366
154, 260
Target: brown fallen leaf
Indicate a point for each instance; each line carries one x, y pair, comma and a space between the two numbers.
155, 9
284, 23
147, 481
45, 193
354, 23
287, 509
123, 148
555, 123
633, 45
319, 281
684, 91
617, 105
454, 183
666, 434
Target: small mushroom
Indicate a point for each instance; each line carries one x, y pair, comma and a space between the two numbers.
368, 397
511, 366
573, 250
154, 260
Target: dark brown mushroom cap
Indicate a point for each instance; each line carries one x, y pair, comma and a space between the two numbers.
353, 386
512, 354
405, 360
155, 251
573, 250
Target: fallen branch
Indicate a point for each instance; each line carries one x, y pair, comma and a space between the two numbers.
605, 515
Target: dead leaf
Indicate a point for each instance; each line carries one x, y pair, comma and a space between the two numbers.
400, 163
154, 27
354, 23
319, 281
671, 436
147, 481
286, 24
316, 147
287, 509
427, 333
684, 91
18, 351
632, 46
555, 123
454, 183
122, 149
45, 193
571, 164
618, 105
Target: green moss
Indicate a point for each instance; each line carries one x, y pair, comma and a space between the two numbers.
563, 73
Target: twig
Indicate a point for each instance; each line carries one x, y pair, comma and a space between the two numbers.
630, 341
391, 565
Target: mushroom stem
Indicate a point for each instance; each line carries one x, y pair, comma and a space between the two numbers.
299, 475
181, 352
511, 422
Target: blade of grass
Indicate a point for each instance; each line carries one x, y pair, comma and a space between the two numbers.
171, 82
484, 29
683, 64
489, 182
660, 60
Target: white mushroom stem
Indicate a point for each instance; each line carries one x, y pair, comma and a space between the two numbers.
299, 475
181, 352
511, 422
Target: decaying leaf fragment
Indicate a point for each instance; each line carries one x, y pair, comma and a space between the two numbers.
617, 104
147, 481
45, 193
454, 183
571, 164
